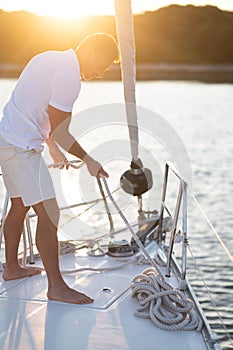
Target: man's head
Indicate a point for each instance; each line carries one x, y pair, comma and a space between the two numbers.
96, 53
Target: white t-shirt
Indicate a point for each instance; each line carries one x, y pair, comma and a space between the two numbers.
51, 78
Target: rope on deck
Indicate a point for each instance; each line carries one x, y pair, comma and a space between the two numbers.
168, 308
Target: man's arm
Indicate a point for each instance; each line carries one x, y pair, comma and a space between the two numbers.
57, 155
60, 122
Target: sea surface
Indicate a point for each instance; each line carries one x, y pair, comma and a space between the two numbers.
187, 123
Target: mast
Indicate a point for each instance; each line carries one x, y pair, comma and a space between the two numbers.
138, 179
126, 40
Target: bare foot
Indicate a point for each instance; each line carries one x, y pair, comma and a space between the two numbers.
68, 295
20, 272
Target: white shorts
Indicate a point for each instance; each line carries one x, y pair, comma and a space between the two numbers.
25, 174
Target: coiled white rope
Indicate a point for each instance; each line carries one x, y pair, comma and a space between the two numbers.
169, 308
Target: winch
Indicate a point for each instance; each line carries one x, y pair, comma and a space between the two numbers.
120, 249
137, 180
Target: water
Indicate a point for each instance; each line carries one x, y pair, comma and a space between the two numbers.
199, 119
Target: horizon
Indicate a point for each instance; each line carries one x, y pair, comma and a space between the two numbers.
69, 8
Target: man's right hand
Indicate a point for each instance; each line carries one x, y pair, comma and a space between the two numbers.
94, 167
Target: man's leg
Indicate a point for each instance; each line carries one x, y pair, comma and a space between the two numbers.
13, 228
47, 244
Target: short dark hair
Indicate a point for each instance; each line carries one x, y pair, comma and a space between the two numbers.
102, 42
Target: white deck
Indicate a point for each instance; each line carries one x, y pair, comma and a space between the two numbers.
29, 321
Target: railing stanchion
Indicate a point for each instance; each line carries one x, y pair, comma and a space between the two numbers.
174, 226
160, 228
4, 212
185, 243
181, 198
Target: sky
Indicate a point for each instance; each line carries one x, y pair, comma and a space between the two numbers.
77, 8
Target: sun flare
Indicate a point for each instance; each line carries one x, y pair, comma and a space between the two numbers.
60, 8
71, 9
66, 9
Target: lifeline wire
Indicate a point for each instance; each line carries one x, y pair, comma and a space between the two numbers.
93, 203
210, 296
212, 227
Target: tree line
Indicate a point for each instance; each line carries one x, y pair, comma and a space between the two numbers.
173, 34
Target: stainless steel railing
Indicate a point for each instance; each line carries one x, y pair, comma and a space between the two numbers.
180, 202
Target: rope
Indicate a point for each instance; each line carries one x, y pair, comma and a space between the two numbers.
138, 259
70, 163
169, 308
106, 208
97, 269
127, 224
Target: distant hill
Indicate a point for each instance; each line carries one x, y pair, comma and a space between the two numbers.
173, 34
185, 35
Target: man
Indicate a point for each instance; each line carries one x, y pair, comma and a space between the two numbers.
39, 111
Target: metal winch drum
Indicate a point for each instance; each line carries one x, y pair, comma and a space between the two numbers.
137, 180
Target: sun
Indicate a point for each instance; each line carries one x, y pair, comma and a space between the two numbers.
66, 9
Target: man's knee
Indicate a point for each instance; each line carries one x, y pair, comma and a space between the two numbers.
18, 208
48, 210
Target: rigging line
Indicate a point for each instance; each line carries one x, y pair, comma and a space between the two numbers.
106, 205
209, 294
139, 243
81, 204
212, 227
91, 206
